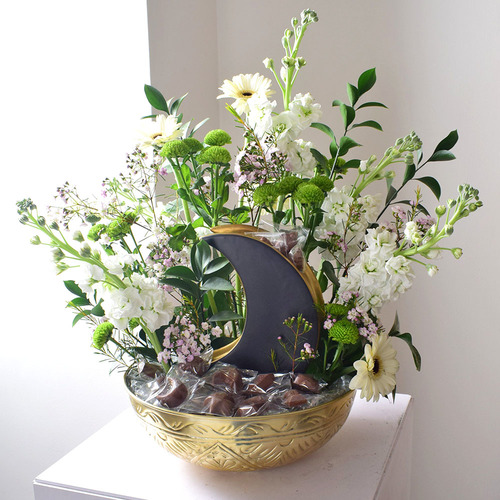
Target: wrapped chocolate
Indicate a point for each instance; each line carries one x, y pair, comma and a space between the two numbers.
288, 243
197, 366
251, 406
228, 377
260, 384
294, 399
306, 383
173, 394
219, 403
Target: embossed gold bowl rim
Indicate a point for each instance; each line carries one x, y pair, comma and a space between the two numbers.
243, 443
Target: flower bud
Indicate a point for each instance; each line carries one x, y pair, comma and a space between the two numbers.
58, 255
295, 21
54, 225
300, 62
431, 269
288, 62
371, 160
283, 74
472, 207
86, 251
390, 174
457, 253
35, 240
41, 221
448, 229
288, 34
363, 166
440, 210
78, 236
268, 63
409, 159
23, 219
451, 202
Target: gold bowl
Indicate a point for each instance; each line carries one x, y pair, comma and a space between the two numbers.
243, 443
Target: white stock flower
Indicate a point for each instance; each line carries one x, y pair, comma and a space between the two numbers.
305, 109
412, 233
259, 115
116, 263
300, 159
381, 242
88, 276
243, 87
159, 131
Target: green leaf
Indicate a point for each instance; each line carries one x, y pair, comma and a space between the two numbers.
97, 310
409, 173
352, 93
419, 206
442, 155
321, 160
79, 316
369, 123
391, 194
79, 302
185, 286
216, 265
155, 98
74, 288
197, 126
324, 128
348, 114
395, 327
372, 104
417, 359
217, 283
201, 255
336, 102
448, 142
329, 272
366, 81
333, 148
175, 106
224, 316
432, 184
346, 143
323, 282
351, 164
180, 272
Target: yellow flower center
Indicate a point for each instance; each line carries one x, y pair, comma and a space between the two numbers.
247, 93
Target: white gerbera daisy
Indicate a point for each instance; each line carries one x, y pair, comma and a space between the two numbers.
243, 87
376, 374
159, 131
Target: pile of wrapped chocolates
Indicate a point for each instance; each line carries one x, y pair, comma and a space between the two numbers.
225, 390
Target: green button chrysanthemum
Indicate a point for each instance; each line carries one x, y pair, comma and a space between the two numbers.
214, 154
336, 310
174, 149
102, 334
308, 194
217, 137
288, 185
118, 229
95, 232
193, 145
323, 182
344, 331
265, 195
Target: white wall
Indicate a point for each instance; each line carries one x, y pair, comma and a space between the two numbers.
438, 69
71, 94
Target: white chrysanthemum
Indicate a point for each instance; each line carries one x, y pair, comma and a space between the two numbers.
376, 374
159, 131
243, 87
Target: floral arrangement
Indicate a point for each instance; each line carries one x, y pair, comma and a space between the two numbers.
140, 273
